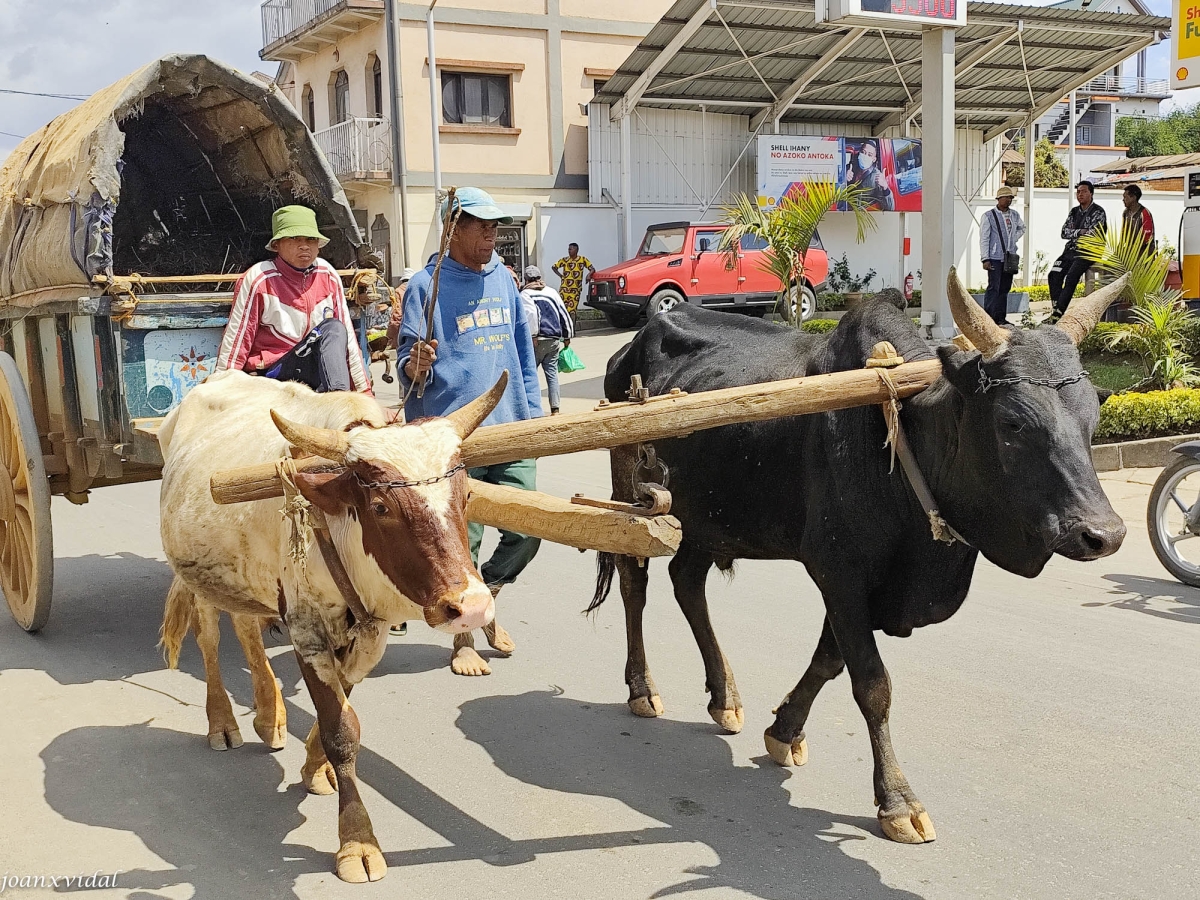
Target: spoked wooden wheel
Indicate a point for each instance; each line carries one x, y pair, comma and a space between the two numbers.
26, 537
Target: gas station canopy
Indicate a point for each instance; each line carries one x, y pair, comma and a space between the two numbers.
771, 60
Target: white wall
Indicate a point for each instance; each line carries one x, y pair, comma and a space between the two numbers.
595, 228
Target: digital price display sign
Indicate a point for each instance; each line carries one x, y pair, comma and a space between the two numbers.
897, 14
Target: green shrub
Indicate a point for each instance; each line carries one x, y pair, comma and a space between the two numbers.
1152, 414
1097, 341
1042, 291
820, 326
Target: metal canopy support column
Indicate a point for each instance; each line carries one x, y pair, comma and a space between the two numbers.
1074, 120
1026, 255
626, 189
937, 214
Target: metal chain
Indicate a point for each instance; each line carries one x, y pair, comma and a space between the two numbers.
986, 382
649, 463
386, 485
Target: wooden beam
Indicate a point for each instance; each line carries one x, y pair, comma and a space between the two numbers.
563, 522
618, 424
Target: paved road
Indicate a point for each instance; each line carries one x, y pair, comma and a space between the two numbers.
1051, 727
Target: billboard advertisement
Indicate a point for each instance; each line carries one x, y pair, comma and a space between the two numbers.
888, 169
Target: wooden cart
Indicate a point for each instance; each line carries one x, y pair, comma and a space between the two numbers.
85, 380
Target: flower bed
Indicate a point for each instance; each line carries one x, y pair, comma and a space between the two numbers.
1128, 417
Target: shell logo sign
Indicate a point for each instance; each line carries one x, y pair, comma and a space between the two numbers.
1185, 44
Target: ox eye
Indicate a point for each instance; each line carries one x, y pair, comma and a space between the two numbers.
1013, 425
380, 509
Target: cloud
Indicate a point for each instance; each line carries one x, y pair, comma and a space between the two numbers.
80, 46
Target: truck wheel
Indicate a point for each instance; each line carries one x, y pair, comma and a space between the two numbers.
622, 318
665, 301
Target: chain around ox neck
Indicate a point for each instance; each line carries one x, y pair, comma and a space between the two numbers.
385, 485
986, 382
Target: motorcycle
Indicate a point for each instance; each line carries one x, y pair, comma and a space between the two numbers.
1173, 515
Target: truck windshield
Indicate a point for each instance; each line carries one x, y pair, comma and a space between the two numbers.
664, 241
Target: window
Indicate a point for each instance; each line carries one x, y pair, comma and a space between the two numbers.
706, 241
308, 108
381, 240
664, 241
1084, 134
470, 99
341, 97
377, 88
752, 242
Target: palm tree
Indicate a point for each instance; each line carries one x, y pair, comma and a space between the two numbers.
1160, 321
788, 229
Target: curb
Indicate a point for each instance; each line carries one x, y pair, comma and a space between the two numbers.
1151, 453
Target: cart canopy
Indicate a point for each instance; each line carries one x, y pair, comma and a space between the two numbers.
174, 170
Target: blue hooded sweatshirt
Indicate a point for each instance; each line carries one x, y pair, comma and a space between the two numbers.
481, 330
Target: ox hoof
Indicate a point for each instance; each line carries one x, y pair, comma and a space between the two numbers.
359, 862
274, 735
793, 754
466, 661
731, 720
498, 639
322, 780
913, 826
646, 707
227, 738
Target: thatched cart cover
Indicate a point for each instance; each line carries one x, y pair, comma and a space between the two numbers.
174, 170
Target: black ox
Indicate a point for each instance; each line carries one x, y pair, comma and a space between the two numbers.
1002, 439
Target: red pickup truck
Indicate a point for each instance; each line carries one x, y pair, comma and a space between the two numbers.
679, 262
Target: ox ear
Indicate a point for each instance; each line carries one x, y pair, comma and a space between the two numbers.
468, 418
959, 367
330, 492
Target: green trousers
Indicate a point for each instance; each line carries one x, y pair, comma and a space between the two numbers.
515, 551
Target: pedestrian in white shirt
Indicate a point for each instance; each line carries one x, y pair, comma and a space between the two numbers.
999, 233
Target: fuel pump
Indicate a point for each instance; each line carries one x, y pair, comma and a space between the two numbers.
1189, 235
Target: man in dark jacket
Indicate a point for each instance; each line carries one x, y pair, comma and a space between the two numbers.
1086, 218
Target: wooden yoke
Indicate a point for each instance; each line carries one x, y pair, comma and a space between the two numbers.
619, 424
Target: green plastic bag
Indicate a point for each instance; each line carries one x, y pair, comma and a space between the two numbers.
569, 361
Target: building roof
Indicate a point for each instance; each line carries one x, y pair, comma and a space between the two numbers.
1117, 6
768, 57
1150, 163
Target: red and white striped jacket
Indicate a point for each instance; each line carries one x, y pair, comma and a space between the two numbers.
275, 306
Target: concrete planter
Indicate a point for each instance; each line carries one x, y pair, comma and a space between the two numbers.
1150, 453
1017, 302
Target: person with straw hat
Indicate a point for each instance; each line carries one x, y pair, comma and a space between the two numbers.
999, 232
289, 319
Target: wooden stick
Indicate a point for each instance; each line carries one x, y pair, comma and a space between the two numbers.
563, 522
527, 512
630, 423
675, 416
198, 279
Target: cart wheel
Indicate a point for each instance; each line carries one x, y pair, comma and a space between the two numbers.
26, 537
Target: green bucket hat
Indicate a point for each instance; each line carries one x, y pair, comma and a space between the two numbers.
294, 221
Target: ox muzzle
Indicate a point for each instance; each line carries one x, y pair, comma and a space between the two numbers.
1088, 539
456, 612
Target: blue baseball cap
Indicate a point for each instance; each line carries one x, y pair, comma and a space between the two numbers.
478, 203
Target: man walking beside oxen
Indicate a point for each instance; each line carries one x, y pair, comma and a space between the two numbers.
480, 330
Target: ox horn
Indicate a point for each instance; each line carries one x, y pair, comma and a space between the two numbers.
1084, 312
467, 419
973, 321
323, 442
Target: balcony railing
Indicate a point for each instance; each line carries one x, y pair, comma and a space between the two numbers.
358, 149
1129, 85
306, 21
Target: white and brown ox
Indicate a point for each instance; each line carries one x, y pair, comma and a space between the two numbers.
396, 515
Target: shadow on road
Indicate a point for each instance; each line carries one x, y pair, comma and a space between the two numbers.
685, 778
1154, 597
587, 388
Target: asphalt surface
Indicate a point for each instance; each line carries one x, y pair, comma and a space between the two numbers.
1051, 727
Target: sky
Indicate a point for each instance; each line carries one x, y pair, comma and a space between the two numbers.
79, 46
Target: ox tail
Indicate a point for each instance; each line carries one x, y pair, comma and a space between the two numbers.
606, 567
177, 619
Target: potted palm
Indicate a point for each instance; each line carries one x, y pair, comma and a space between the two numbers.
788, 230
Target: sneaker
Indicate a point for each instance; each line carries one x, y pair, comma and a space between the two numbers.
554, 410
401, 629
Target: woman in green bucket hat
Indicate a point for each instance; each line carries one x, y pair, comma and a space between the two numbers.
290, 320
